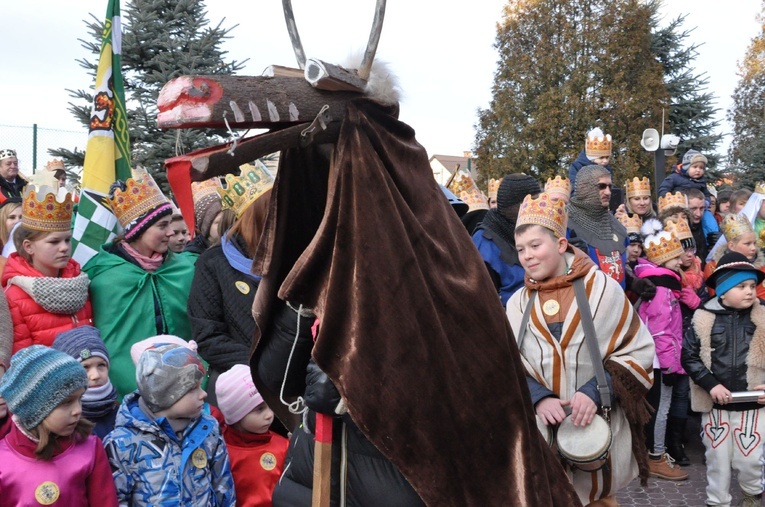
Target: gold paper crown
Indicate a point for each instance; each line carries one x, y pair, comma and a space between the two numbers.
679, 228
632, 222
54, 164
733, 226
638, 187
475, 200
141, 196
49, 214
494, 188
243, 190
676, 200
8, 153
206, 188
598, 145
760, 187
544, 211
662, 247
462, 183
558, 185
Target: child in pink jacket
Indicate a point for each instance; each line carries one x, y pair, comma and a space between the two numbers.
663, 317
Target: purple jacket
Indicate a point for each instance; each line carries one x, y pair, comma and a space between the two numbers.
663, 317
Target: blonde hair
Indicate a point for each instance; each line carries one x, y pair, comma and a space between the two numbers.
5, 212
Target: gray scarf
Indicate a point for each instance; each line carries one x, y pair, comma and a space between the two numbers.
65, 296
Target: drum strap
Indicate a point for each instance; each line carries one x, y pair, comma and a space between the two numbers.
525, 318
591, 337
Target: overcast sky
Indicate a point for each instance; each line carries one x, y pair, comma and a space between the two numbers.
443, 56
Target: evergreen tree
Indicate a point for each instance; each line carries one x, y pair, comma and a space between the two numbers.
162, 39
691, 110
565, 67
746, 155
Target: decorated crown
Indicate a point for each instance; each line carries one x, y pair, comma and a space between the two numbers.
662, 247
243, 190
558, 185
638, 187
758, 188
733, 226
632, 222
676, 200
140, 196
494, 188
462, 183
475, 200
7, 154
49, 214
597, 144
545, 211
55, 164
679, 228
202, 189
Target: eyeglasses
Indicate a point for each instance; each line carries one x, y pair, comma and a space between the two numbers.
603, 186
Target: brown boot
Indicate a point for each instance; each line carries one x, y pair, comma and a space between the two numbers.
662, 466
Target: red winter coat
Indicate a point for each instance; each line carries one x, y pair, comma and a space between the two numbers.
32, 324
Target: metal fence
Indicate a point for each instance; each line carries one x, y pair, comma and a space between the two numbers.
32, 143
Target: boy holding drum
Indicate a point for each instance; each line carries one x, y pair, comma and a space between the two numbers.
559, 369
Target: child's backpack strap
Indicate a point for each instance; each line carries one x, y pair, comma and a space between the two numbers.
525, 318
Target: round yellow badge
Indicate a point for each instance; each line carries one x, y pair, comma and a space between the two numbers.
243, 287
47, 493
268, 461
199, 458
551, 307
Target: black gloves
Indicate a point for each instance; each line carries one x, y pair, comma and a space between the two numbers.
712, 238
321, 395
644, 288
668, 379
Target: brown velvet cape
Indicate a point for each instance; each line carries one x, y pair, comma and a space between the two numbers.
412, 331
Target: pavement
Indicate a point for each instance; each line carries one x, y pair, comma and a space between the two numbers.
688, 493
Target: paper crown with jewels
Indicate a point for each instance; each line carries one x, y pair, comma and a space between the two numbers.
662, 247
597, 145
141, 196
55, 164
243, 190
676, 200
759, 188
679, 228
558, 185
494, 188
465, 188
638, 187
8, 153
43, 211
632, 222
733, 226
545, 211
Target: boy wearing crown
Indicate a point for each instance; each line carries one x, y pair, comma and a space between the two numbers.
560, 378
597, 150
138, 287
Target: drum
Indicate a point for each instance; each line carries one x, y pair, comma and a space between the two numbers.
584, 447
545, 430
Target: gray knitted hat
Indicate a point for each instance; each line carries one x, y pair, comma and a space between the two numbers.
39, 379
165, 373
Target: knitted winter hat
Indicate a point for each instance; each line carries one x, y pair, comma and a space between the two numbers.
732, 269
82, 343
39, 379
138, 203
236, 393
586, 192
690, 158
513, 189
165, 373
138, 348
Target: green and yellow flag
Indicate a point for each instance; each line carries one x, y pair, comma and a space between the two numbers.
107, 156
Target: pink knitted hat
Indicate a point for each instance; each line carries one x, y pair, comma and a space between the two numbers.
137, 349
237, 395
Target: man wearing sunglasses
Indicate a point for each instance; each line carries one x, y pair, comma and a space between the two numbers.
592, 227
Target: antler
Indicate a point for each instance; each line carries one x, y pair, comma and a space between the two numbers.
369, 54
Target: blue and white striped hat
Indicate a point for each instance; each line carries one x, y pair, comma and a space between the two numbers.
39, 379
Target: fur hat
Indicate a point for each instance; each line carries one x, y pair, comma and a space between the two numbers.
165, 373
236, 393
690, 158
137, 349
39, 379
82, 343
